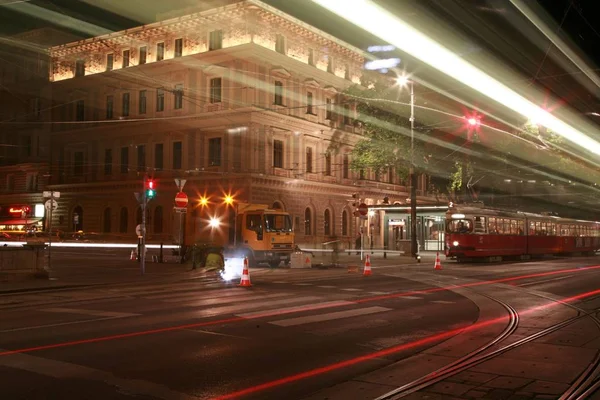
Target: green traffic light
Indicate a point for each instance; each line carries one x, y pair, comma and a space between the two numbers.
150, 193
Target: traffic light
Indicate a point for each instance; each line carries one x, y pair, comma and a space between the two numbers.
150, 189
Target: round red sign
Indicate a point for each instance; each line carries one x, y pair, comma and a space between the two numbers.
181, 199
363, 209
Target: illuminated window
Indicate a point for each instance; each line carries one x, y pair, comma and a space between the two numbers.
178, 47
126, 57
160, 51
215, 90
280, 44
215, 41
278, 100
110, 61
143, 55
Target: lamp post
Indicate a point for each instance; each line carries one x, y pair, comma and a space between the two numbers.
414, 250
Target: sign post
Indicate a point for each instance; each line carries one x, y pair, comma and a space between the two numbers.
181, 202
50, 205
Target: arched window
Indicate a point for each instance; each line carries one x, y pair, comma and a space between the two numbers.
327, 223
345, 223
123, 220
158, 219
307, 222
277, 206
107, 220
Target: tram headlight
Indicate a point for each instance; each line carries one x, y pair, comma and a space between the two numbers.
455, 243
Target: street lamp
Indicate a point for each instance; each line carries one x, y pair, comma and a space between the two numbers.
229, 201
403, 81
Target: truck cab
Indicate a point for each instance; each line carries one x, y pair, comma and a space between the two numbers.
264, 235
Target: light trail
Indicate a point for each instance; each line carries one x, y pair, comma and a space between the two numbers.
373, 18
9, 243
396, 349
310, 307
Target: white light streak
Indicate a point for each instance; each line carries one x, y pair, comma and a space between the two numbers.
369, 16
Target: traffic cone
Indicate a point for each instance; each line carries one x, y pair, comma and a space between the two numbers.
438, 263
133, 256
245, 282
367, 271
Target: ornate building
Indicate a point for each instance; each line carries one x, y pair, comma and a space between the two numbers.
239, 98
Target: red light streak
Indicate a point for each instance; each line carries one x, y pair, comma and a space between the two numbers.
310, 307
392, 350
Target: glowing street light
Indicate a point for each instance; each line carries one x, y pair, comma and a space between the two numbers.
203, 201
473, 121
228, 199
214, 222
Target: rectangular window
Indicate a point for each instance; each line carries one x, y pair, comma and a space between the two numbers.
347, 114
178, 96
309, 160
125, 105
141, 158
278, 153
160, 100
280, 44
80, 110
126, 56
110, 102
214, 151
329, 64
80, 68
278, 100
328, 164
124, 160
329, 109
311, 57
142, 102
160, 51
178, 47
177, 153
108, 161
309, 103
109, 61
143, 55
78, 163
158, 156
215, 41
345, 167
215, 90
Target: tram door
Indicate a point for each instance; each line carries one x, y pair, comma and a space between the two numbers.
434, 233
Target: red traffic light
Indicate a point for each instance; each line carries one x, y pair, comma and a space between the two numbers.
150, 184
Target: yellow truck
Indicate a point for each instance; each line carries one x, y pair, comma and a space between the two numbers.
263, 235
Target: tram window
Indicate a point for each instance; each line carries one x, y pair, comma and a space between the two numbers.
513, 227
521, 225
460, 226
492, 225
572, 231
531, 228
479, 224
563, 230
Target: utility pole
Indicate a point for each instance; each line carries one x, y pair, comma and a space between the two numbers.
413, 177
143, 246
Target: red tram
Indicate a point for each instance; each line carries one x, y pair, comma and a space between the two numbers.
477, 233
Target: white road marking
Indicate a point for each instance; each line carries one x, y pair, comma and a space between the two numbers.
302, 284
214, 333
379, 293
545, 281
329, 316
253, 306
327, 287
352, 290
410, 297
306, 307
279, 282
63, 370
443, 302
94, 313
233, 299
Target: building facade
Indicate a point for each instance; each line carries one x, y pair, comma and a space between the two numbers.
237, 99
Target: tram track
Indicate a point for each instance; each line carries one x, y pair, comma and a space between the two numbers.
586, 384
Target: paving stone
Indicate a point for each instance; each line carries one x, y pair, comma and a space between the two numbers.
475, 394
521, 397
531, 369
450, 388
508, 382
499, 394
546, 387
552, 353
474, 377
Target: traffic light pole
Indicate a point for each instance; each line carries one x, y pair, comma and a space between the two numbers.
143, 246
414, 250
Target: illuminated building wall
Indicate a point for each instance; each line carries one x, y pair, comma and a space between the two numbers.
231, 113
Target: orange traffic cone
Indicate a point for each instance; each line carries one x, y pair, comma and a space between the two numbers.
438, 263
367, 271
245, 282
133, 256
